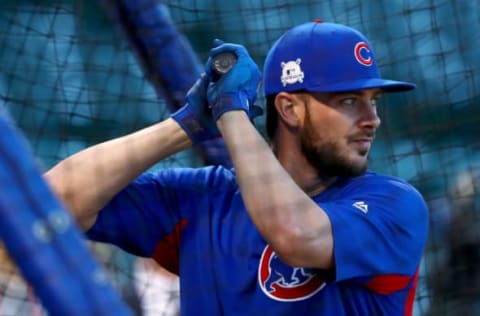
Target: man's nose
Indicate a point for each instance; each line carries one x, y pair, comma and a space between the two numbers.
369, 116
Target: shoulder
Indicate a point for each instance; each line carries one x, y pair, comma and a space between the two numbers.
209, 176
392, 194
380, 183
389, 193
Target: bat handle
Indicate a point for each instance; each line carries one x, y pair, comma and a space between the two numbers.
223, 62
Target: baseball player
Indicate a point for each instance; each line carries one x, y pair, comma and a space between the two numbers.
299, 226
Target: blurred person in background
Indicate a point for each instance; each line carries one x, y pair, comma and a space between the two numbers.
456, 283
158, 289
16, 296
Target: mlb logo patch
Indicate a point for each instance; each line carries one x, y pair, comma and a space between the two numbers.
292, 72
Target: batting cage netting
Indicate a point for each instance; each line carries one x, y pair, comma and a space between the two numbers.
75, 73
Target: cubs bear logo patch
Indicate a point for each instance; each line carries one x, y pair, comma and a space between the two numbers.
285, 283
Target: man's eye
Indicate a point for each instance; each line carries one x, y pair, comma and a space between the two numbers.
375, 100
348, 101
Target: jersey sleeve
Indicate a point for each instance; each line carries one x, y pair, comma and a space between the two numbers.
155, 205
379, 228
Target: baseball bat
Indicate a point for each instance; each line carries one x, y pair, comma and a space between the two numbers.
165, 56
42, 239
222, 63
163, 52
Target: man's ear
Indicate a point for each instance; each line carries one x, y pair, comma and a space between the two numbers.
288, 108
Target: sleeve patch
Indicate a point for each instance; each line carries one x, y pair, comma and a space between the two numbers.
167, 252
388, 283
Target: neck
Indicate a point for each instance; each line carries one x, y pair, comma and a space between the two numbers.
304, 174
319, 186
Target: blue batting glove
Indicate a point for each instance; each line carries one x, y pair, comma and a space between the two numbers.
195, 116
237, 89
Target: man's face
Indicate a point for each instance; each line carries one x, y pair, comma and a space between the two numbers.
338, 131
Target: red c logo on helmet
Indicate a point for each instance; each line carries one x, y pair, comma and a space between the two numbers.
363, 54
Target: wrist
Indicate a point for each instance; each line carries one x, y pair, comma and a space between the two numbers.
229, 102
191, 124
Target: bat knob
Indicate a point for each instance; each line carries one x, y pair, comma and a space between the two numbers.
223, 62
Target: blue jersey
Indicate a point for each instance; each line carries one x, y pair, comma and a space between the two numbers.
194, 223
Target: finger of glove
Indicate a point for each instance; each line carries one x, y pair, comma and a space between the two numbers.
198, 104
195, 116
208, 65
201, 107
243, 77
237, 49
222, 47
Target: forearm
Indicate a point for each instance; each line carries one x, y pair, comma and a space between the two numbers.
290, 221
86, 181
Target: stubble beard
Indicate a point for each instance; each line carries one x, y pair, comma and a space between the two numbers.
327, 158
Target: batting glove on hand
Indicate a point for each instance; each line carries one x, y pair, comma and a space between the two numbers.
195, 116
237, 89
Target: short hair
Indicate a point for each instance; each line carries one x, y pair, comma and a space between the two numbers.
271, 120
